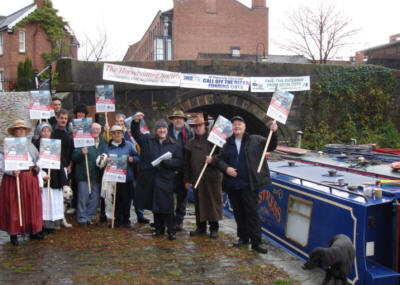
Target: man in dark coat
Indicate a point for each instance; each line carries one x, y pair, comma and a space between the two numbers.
155, 185
208, 194
239, 160
62, 133
181, 134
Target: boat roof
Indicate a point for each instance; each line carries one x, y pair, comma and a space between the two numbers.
318, 178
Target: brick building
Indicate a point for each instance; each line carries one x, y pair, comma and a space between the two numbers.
195, 28
387, 54
30, 40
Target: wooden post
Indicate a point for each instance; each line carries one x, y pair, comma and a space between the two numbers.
113, 212
204, 168
19, 201
48, 195
88, 174
265, 149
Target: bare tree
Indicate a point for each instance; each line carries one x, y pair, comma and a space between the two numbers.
318, 33
96, 48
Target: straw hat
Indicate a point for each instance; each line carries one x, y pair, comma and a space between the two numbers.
177, 114
18, 124
198, 120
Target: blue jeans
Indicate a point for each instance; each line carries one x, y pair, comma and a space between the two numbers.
87, 204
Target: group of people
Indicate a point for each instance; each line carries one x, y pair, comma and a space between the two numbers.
149, 186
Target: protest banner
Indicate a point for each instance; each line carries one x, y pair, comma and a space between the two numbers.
221, 130
40, 106
116, 172
83, 137
141, 76
278, 110
215, 82
16, 158
270, 84
49, 157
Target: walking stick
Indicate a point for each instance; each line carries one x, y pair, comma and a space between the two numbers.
19, 201
88, 174
113, 213
48, 195
265, 149
204, 168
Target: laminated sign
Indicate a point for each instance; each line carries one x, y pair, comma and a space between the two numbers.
116, 168
16, 154
50, 154
221, 130
82, 131
40, 106
279, 107
105, 100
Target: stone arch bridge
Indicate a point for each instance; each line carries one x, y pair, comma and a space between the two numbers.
77, 81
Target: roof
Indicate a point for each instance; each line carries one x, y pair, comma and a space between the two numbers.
8, 22
392, 44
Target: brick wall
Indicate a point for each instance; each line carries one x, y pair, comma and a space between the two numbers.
233, 24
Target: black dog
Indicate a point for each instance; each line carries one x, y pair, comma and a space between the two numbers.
337, 259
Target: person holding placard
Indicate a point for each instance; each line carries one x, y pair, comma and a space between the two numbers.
160, 157
87, 202
119, 146
26, 182
181, 134
238, 160
53, 204
208, 194
119, 120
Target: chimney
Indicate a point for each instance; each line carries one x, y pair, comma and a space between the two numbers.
258, 3
39, 3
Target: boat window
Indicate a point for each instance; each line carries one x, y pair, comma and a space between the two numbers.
298, 220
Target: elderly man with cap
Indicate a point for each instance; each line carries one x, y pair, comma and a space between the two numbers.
119, 146
155, 185
238, 160
87, 203
208, 194
179, 132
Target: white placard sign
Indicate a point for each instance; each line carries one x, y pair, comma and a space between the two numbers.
221, 130
215, 82
279, 107
50, 154
116, 168
270, 84
82, 131
40, 106
142, 76
105, 100
16, 154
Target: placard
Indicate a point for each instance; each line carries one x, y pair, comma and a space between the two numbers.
82, 132
105, 99
40, 106
16, 154
221, 130
116, 168
280, 105
49, 154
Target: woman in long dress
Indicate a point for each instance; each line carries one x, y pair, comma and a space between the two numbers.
31, 201
52, 197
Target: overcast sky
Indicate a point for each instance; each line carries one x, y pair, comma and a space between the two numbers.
127, 20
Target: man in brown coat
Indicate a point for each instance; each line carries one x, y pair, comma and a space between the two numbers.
208, 195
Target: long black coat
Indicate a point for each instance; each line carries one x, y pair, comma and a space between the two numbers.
253, 146
155, 185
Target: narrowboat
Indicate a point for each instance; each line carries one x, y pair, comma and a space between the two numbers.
312, 198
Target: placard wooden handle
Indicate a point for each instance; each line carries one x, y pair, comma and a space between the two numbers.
113, 212
88, 174
204, 168
48, 195
19, 202
265, 149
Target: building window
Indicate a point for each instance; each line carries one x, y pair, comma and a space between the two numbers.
1, 43
1, 80
21, 41
298, 220
159, 48
235, 51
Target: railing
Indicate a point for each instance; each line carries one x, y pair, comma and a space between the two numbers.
330, 187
